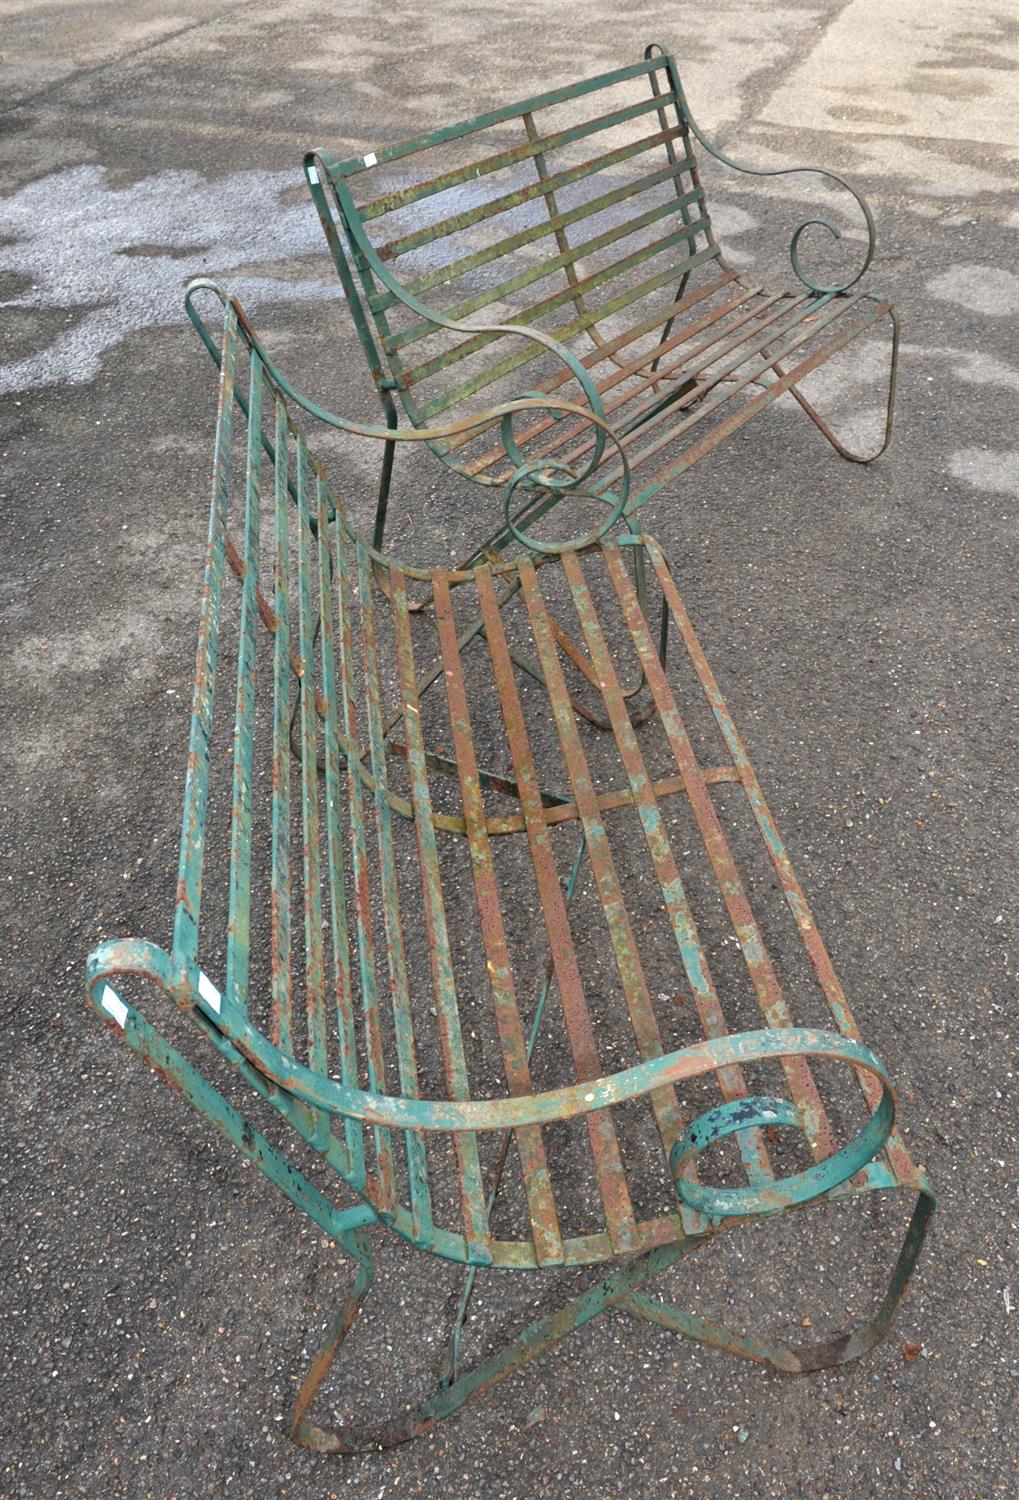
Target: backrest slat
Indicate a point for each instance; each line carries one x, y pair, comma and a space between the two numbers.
238, 921
447, 133
403, 244
537, 310
565, 260
196, 789
508, 158
282, 956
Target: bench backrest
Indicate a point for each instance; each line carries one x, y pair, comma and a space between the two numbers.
578, 212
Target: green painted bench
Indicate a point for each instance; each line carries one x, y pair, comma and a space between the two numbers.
563, 244
491, 948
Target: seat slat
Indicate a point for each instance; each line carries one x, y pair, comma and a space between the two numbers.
345, 589
403, 1020
465, 1145
335, 832
738, 419
745, 372
770, 998
307, 617
829, 981
280, 898
724, 337
624, 946
593, 358
701, 361
548, 1247
674, 896
611, 1178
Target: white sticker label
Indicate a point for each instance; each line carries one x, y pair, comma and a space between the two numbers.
370, 159
209, 992
313, 175
114, 1006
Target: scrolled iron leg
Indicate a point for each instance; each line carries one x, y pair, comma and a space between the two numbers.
801, 1359
822, 425
449, 1397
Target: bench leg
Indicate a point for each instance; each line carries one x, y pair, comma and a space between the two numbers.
622, 1288
447, 1398
821, 424
799, 1360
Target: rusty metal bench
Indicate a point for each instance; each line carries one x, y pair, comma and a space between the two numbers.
491, 942
580, 218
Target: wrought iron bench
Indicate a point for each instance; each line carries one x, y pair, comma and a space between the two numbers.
491, 958
580, 218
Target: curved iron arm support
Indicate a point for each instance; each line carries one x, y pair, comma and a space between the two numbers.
542, 475
564, 1103
794, 243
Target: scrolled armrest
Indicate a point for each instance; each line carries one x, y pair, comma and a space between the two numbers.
794, 243
546, 474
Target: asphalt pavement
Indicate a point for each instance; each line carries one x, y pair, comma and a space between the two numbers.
157, 1301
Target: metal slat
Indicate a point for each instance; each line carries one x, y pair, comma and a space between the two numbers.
556, 224
565, 261
335, 830
612, 1184
404, 244
674, 897
238, 929
674, 371
731, 388
589, 361
403, 1022
562, 95
739, 419
548, 1247
282, 958
624, 946
791, 888
373, 1045
475, 1213
307, 615
770, 998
